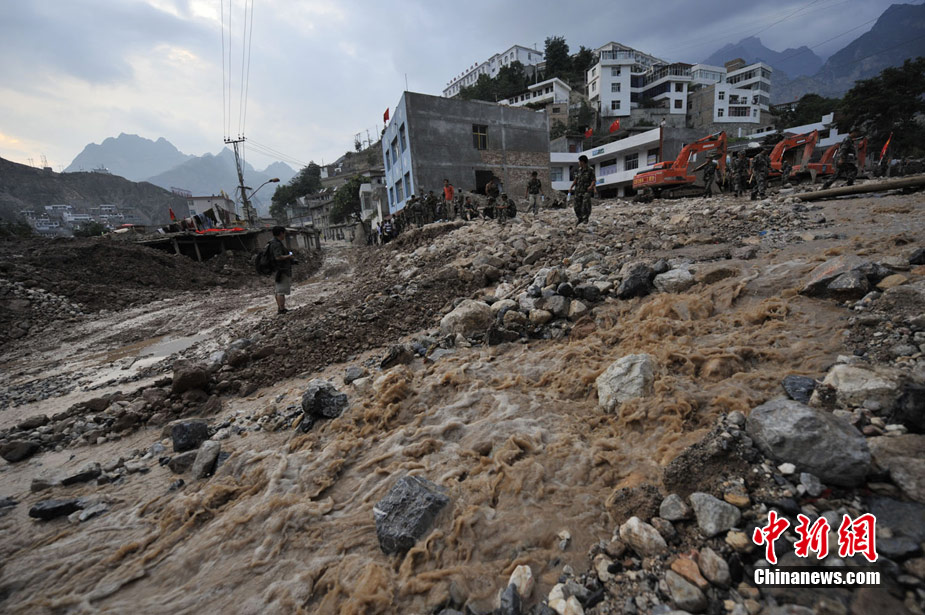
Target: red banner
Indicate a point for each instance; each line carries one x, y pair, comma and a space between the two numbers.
615, 126
385, 116
588, 133
886, 145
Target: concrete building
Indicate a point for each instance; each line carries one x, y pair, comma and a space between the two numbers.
614, 164
550, 91
430, 138
201, 204
491, 66
828, 131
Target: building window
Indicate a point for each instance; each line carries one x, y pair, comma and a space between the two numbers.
399, 192
615, 87
388, 161
630, 162
391, 196
615, 71
652, 156
678, 103
555, 174
479, 136
557, 109
409, 190
754, 112
395, 149
614, 105
679, 87
594, 86
404, 139
719, 113
722, 95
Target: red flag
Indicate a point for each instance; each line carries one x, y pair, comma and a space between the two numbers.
588, 133
172, 215
886, 145
615, 126
385, 116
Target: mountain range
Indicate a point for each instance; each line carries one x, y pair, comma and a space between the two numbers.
898, 34
139, 159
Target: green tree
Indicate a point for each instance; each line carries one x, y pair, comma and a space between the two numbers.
810, 108
15, 228
90, 229
306, 181
511, 80
557, 129
581, 64
347, 201
482, 89
558, 61
888, 103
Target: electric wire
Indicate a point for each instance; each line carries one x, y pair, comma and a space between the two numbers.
224, 111
241, 87
247, 79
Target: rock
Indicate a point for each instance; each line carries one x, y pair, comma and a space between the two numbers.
566, 290
134, 467
664, 527
739, 541
406, 513
19, 450
715, 273
909, 409
904, 458
684, 594
322, 400
786, 469
468, 318
917, 257
814, 441
52, 509
32, 422
94, 511
602, 564
674, 281
636, 282
898, 548
40, 484
576, 310
6, 503
876, 599
626, 378
688, 569
856, 385
674, 508
187, 377
849, 285
503, 306
204, 464
714, 567
799, 388
555, 304
642, 537
540, 317
179, 464
892, 281
714, 516
397, 354
513, 318
89, 472
811, 483
522, 579
588, 292
817, 282
903, 518
187, 435
510, 601
354, 373
745, 253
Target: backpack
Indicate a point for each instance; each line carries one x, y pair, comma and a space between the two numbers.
265, 263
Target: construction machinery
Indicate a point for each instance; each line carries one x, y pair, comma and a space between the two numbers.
787, 150
677, 176
826, 164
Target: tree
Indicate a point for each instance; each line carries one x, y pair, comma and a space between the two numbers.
557, 129
90, 229
888, 103
306, 181
482, 89
15, 228
347, 201
581, 64
511, 80
558, 61
810, 108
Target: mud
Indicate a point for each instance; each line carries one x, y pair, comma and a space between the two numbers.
512, 431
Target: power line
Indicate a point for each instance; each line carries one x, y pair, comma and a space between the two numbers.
224, 115
241, 87
247, 80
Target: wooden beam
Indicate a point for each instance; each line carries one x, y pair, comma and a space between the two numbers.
196, 245
874, 186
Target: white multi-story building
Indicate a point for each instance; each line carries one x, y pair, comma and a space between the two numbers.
623, 77
491, 66
740, 92
615, 164
550, 91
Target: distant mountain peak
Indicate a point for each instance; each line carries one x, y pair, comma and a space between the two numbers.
793, 62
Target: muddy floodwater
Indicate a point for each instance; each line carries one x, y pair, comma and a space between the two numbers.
513, 432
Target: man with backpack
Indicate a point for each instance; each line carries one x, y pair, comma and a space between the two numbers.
282, 260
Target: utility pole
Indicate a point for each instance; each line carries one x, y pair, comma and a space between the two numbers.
248, 210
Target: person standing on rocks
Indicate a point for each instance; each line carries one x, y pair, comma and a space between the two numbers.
761, 165
283, 258
785, 169
583, 188
845, 163
709, 174
532, 194
448, 193
739, 173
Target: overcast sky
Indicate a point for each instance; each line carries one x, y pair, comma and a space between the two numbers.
77, 71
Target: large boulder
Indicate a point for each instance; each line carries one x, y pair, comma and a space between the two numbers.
187, 377
407, 512
322, 400
46, 510
855, 385
627, 378
674, 281
468, 318
637, 281
904, 458
814, 441
188, 435
909, 409
557, 305
204, 464
817, 282
18, 450
714, 516
642, 537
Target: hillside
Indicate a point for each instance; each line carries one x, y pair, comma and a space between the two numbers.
793, 62
130, 156
25, 187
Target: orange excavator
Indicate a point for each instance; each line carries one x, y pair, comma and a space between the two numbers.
675, 175
826, 165
786, 151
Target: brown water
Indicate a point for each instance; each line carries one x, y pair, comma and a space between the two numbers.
512, 432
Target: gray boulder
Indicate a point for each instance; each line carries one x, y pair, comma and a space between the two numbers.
18, 450
204, 464
714, 516
321, 399
407, 512
188, 435
626, 378
814, 441
467, 318
187, 377
47, 510
674, 281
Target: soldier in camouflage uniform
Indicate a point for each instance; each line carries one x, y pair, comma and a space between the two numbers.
417, 211
709, 173
583, 188
739, 173
532, 193
761, 165
785, 169
470, 211
430, 207
845, 163
504, 209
